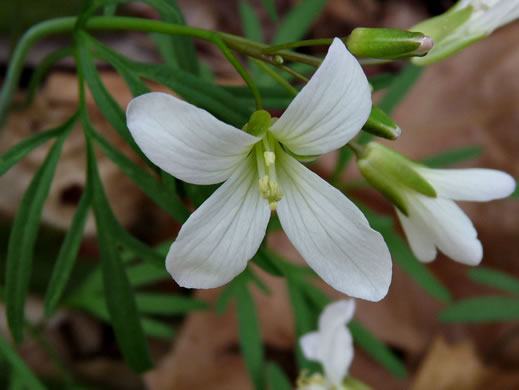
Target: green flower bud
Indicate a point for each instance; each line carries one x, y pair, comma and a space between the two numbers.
387, 43
381, 125
392, 174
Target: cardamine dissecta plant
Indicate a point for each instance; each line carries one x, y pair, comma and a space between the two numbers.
218, 161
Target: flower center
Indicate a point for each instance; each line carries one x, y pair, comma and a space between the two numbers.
266, 160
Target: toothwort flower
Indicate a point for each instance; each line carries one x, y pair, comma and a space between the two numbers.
439, 222
261, 173
465, 23
331, 345
424, 201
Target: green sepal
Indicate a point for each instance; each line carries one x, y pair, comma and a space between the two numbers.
392, 174
259, 122
387, 43
381, 125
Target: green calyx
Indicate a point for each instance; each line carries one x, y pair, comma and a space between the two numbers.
393, 174
381, 125
387, 43
259, 122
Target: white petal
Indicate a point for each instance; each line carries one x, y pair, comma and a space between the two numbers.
419, 239
336, 353
331, 233
474, 184
448, 226
310, 345
330, 110
337, 314
219, 238
186, 141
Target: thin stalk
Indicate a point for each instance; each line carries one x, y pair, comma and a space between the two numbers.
291, 71
275, 76
357, 148
292, 45
66, 24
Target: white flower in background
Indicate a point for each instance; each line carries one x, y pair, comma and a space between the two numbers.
261, 174
465, 23
331, 345
424, 201
440, 223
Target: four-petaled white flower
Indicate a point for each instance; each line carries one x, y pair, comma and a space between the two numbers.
331, 345
218, 239
439, 222
465, 23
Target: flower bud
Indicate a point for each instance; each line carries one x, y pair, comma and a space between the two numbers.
387, 43
381, 125
392, 174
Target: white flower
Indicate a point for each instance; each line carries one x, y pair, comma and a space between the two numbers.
331, 345
465, 23
439, 223
219, 238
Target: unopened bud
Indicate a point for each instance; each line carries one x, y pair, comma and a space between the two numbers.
388, 43
392, 174
381, 125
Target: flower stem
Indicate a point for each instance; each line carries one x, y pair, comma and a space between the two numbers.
275, 76
61, 25
293, 45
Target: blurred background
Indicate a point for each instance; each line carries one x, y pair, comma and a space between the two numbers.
469, 100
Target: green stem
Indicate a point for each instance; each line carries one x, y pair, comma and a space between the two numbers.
275, 76
61, 25
293, 45
358, 149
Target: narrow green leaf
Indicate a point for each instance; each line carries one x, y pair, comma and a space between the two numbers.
138, 249
277, 380
224, 298
453, 156
166, 304
67, 254
305, 321
270, 6
41, 70
97, 307
120, 63
147, 183
405, 258
250, 23
249, 333
22, 149
157, 329
104, 100
376, 349
297, 22
22, 239
145, 274
414, 268
400, 87
482, 309
19, 368
182, 48
118, 293
381, 81
16, 381
199, 92
494, 278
